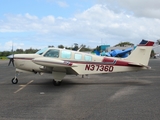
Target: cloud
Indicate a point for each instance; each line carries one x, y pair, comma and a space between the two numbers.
48, 19
30, 17
8, 46
89, 27
139, 8
62, 4
101, 22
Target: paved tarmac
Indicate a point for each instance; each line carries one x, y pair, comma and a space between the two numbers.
117, 96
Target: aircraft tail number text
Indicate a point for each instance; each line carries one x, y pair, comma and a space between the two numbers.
92, 67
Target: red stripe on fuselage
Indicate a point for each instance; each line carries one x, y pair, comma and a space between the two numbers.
109, 60
121, 63
114, 61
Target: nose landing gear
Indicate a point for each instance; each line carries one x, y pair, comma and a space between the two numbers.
14, 80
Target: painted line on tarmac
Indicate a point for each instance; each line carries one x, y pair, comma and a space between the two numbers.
23, 86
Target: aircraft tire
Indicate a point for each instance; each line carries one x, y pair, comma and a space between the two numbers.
14, 80
56, 83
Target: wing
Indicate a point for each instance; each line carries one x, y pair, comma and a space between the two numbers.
52, 62
57, 65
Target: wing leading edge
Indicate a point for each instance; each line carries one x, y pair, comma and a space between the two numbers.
51, 62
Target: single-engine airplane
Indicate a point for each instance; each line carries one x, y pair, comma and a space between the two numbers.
62, 62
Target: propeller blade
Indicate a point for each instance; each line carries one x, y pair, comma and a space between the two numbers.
11, 59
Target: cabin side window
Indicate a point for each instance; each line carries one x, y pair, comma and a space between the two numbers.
87, 58
65, 54
52, 53
77, 56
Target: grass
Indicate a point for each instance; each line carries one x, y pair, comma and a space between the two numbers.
3, 58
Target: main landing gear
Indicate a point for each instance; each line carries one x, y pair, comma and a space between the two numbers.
57, 83
58, 75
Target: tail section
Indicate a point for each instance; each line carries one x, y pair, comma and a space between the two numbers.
141, 54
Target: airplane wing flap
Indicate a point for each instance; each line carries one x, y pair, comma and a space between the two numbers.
52, 62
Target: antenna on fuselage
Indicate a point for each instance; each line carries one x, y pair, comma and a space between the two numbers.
80, 48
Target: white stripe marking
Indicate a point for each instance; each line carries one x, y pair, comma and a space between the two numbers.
23, 86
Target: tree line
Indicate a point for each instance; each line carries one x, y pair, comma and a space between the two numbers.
32, 50
18, 51
75, 47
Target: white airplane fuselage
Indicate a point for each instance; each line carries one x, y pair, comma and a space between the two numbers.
61, 62
28, 63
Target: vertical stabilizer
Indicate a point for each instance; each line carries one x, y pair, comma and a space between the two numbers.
141, 54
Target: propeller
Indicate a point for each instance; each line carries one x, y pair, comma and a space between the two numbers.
11, 57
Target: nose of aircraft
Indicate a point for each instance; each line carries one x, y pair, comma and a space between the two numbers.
11, 59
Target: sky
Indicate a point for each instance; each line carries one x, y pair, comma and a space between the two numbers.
41, 23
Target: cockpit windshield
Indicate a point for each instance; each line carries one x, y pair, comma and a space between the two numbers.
52, 53
40, 52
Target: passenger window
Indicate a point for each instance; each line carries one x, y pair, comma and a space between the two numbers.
87, 58
52, 53
66, 54
77, 56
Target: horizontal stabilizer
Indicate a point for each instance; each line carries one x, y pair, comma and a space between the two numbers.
139, 65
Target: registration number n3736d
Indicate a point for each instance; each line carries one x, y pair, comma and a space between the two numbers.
92, 67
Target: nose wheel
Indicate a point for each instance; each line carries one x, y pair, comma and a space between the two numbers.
14, 80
